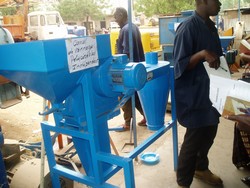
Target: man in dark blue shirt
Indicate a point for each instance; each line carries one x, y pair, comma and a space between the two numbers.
196, 41
121, 17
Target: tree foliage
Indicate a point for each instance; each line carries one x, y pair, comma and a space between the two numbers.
79, 10
7, 11
168, 7
159, 7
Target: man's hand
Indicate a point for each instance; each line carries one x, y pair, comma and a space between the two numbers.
204, 55
212, 59
241, 118
243, 121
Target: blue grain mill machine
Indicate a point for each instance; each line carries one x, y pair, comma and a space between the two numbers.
167, 28
83, 82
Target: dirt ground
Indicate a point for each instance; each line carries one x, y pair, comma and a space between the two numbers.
22, 121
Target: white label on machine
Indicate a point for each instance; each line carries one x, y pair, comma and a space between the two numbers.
81, 53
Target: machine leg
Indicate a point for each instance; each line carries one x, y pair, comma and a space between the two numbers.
51, 159
129, 175
3, 174
175, 145
173, 111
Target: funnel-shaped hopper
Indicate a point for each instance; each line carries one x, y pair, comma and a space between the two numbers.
225, 41
42, 66
153, 97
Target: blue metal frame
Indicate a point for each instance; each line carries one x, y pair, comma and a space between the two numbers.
98, 178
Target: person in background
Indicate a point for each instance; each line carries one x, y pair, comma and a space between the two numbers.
121, 17
243, 123
244, 58
221, 24
196, 41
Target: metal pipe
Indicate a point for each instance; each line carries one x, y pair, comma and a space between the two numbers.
44, 118
173, 113
131, 54
238, 10
131, 59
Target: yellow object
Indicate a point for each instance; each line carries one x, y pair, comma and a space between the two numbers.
145, 38
150, 40
113, 37
228, 32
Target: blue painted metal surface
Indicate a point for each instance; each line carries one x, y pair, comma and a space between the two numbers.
167, 27
225, 41
3, 174
155, 93
174, 119
83, 101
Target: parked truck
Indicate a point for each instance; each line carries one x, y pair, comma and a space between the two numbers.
40, 25
43, 25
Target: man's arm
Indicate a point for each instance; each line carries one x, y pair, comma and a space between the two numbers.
204, 55
243, 121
